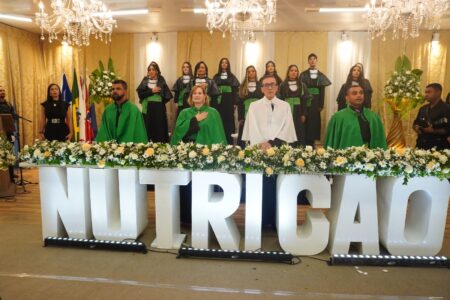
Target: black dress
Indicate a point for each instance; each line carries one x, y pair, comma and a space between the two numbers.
56, 128
179, 88
296, 94
228, 86
154, 108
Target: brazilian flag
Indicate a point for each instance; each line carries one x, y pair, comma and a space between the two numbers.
75, 107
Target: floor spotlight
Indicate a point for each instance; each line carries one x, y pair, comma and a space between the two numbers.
126, 245
274, 256
389, 260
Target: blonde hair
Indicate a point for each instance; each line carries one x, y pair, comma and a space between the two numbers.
194, 88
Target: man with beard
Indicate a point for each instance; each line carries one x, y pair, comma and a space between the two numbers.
122, 121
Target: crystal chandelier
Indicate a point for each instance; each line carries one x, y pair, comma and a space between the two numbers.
240, 17
404, 16
77, 20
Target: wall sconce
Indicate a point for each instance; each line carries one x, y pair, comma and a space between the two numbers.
344, 36
154, 38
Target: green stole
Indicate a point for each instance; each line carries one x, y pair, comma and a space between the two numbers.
292, 102
152, 98
223, 89
181, 97
211, 129
247, 103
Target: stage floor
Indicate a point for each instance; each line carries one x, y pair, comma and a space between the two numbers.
30, 271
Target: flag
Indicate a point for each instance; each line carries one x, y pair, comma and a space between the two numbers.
75, 111
66, 93
82, 111
91, 120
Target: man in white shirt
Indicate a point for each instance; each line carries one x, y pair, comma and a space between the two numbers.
269, 120
269, 123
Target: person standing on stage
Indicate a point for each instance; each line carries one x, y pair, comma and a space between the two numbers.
201, 78
294, 92
122, 121
249, 92
269, 123
355, 77
355, 125
228, 86
316, 82
180, 86
56, 116
432, 123
153, 94
7, 108
271, 69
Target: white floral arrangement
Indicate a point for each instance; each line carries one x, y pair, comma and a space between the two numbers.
100, 88
406, 162
402, 90
7, 157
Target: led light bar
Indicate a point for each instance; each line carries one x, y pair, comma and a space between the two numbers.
275, 256
133, 246
389, 260
16, 18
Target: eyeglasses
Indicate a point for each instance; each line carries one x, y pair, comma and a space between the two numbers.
269, 85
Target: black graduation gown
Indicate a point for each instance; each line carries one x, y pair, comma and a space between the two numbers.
154, 109
229, 97
179, 88
298, 109
56, 128
316, 88
243, 105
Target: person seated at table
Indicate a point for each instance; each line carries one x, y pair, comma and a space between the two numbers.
199, 123
122, 121
355, 125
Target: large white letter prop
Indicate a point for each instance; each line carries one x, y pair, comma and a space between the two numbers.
215, 208
253, 211
417, 228
119, 204
65, 202
167, 205
348, 193
311, 237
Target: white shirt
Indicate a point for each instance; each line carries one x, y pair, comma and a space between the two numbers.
263, 124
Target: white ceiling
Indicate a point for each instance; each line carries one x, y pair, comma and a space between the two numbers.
291, 15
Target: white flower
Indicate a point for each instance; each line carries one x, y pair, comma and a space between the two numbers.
221, 159
408, 169
192, 154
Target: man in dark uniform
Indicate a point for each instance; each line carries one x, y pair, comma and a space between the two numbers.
432, 123
7, 108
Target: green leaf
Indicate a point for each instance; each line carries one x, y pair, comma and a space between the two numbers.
402, 63
101, 66
417, 72
398, 64
110, 65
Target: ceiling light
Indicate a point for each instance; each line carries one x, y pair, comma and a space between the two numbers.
128, 12
240, 17
404, 16
342, 9
77, 20
15, 18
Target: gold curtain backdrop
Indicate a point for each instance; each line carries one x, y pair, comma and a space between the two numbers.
198, 46
28, 65
433, 61
293, 48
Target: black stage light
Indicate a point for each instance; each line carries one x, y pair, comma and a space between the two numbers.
133, 246
274, 256
389, 260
